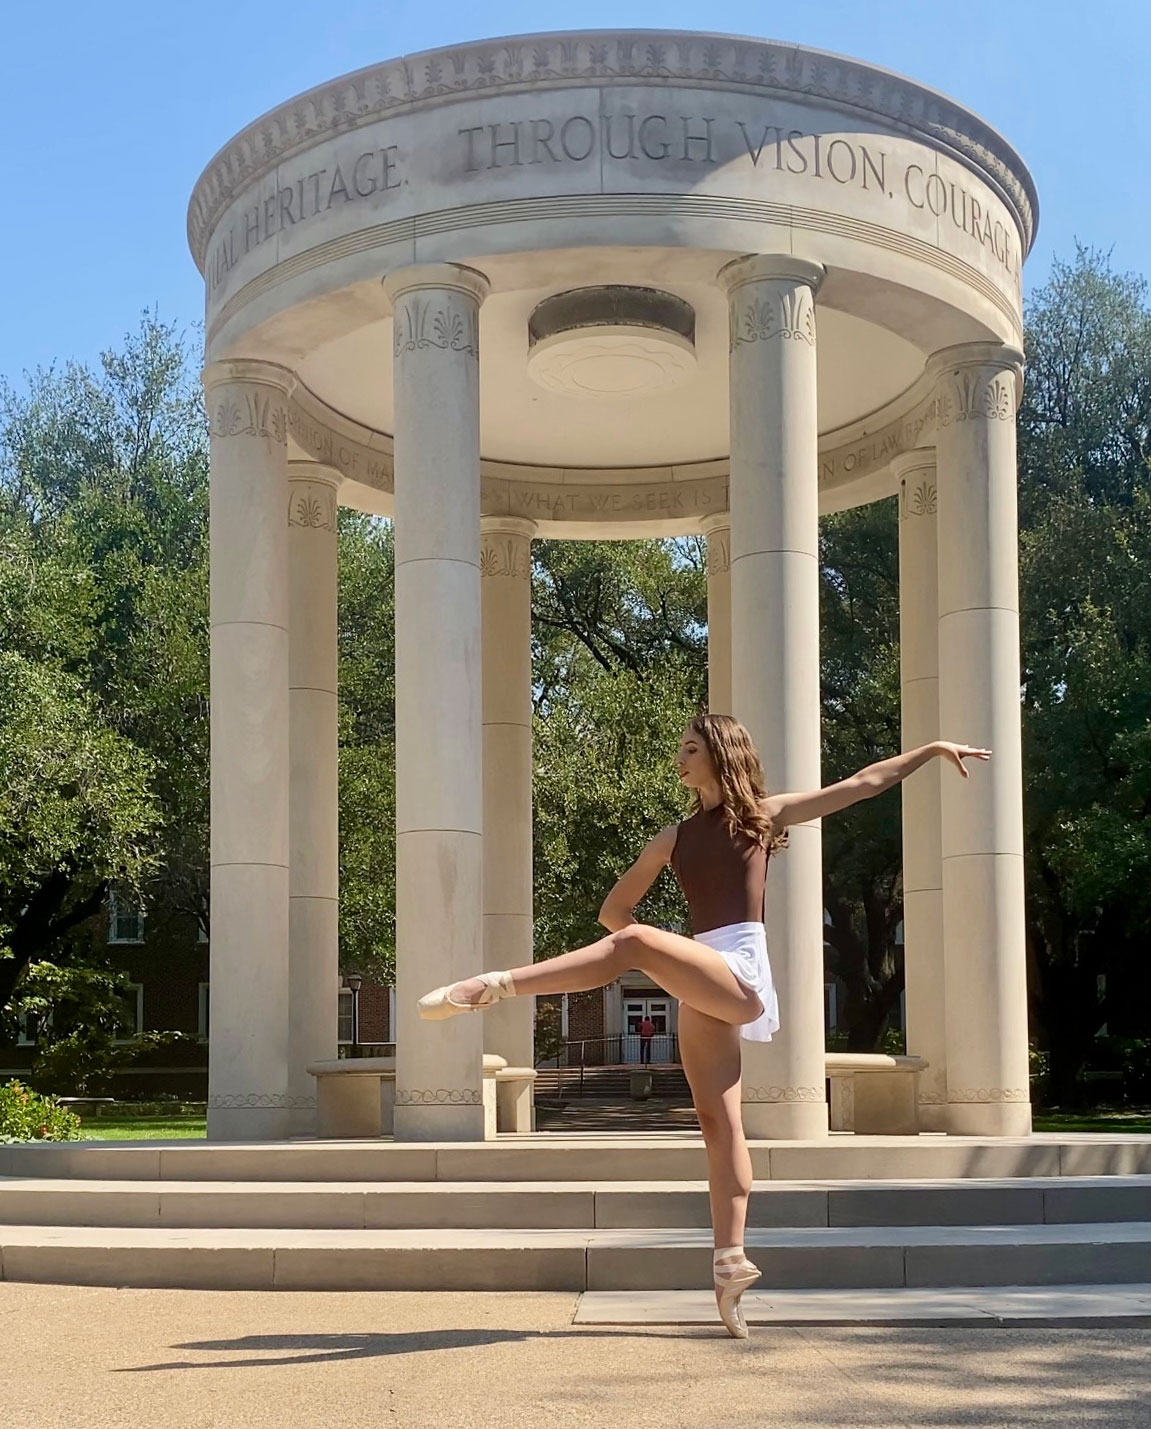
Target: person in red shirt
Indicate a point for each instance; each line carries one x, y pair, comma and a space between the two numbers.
646, 1033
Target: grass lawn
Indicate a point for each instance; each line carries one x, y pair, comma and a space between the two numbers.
1135, 1121
142, 1128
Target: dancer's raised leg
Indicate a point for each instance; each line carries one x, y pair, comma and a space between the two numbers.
684, 968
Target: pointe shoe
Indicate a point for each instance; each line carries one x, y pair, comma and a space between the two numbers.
438, 1003
733, 1273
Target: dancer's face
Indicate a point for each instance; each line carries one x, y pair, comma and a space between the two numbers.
696, 770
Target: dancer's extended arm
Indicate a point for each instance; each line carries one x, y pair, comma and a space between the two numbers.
799, 808
619, 906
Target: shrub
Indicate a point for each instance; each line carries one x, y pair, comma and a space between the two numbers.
25, 1115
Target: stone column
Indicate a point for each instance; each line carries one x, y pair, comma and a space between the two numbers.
248, 1092
775, 664
717, 529
439, 777
982, 816
919, 724
313, 884
505, 570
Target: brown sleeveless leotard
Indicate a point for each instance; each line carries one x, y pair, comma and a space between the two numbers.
722, 875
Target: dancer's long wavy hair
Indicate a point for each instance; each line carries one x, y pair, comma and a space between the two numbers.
741, 782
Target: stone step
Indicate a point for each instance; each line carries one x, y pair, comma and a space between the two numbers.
1055, 1306
670, 1259
651, 1157
574, 1084
568, 1205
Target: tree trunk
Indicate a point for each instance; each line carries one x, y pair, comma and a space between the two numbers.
43, 922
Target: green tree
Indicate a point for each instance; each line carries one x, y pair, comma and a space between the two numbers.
1085, 567
619, 668
860, 697
103, 620
367, 746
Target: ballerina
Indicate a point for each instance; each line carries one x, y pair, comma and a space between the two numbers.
721, 975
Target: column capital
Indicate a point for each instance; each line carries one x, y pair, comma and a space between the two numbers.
248, 369
314, 471
905, 464
998, 356
716, 521
918, 489
768, 267
453, 276
505, 547
977, 380
508, 526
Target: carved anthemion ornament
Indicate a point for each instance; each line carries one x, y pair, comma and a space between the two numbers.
918, 500
719, 551
505, 556
976, 394
759, 314
423, 322
258, 413
312, 505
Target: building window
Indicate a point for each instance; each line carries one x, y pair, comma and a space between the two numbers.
132, 1003
202, 1011
125, 920
345, 1025
830, 1011
29, 1026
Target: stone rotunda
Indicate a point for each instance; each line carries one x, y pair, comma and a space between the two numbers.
596, 285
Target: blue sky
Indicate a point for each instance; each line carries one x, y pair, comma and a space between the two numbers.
113, 109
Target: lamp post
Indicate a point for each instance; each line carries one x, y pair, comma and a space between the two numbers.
354, 981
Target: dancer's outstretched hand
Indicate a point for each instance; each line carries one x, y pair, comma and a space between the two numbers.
957, 753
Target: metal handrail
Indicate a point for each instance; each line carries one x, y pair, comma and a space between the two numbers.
575, 1052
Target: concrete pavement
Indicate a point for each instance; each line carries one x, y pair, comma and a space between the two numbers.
177, 1359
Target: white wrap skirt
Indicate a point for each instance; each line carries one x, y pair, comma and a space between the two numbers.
743, 947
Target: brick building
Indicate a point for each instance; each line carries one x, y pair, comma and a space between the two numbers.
166, 957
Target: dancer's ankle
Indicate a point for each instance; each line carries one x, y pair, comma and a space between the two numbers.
471, 990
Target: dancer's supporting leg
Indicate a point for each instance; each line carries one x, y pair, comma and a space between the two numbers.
684, 968
710, 1053
709, 1050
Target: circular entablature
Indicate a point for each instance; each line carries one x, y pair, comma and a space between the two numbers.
592, 177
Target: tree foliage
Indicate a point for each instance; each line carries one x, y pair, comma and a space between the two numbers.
1085, 575
103, 620
103, 680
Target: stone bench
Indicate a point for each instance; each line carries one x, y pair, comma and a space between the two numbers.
874, 1094
355, 1096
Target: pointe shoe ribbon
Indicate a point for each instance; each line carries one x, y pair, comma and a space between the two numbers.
438, 1003
733, 1273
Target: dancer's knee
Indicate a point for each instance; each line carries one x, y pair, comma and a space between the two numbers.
714, 1121
630, 945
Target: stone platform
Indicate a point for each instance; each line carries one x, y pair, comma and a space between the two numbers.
575, 1213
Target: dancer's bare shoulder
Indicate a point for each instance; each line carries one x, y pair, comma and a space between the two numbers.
772, 806
661, 846
802, 806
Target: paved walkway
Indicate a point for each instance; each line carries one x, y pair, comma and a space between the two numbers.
175, 1359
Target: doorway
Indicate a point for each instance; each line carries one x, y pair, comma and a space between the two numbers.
637, 1008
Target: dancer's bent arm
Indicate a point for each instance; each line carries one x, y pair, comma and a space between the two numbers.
618, 908
787, 809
